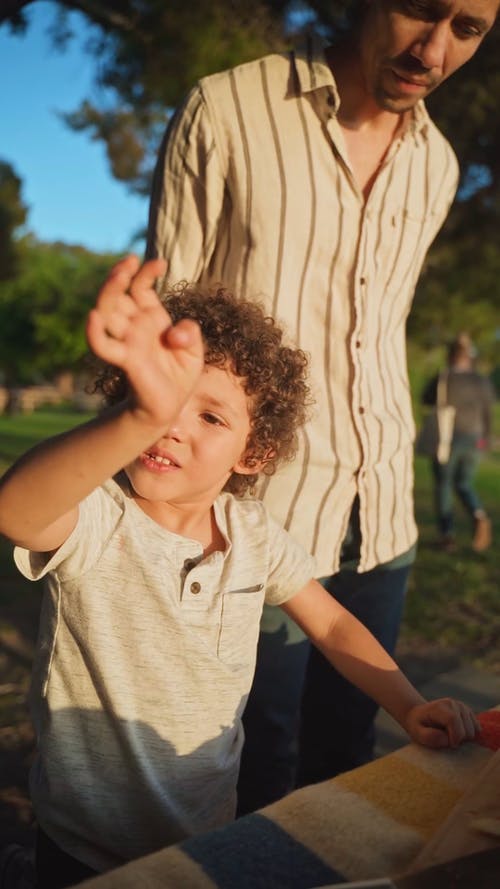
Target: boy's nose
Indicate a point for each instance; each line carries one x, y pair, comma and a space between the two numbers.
175, 432
179, 428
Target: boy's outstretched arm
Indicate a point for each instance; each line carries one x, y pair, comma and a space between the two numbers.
355, 653
129, 328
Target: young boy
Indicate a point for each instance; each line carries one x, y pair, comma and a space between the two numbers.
157, 577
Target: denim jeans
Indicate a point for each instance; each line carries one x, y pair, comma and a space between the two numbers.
55, 868
336, 721
456, 477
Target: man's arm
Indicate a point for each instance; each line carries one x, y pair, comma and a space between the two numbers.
129, 328
488, 398
357, 655
187, 194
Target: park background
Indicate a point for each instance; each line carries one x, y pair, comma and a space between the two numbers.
91, 86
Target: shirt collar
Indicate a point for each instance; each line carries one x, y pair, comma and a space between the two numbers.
420, 120
311, 69
312, 73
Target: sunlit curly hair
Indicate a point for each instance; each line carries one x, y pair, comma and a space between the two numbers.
239, 335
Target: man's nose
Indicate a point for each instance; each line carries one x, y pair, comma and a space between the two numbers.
430, 48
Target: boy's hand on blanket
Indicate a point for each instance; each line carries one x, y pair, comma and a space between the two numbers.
445, 722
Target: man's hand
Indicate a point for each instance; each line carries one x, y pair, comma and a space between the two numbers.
130, 329
442, 723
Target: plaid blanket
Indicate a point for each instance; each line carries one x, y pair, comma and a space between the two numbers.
368, 823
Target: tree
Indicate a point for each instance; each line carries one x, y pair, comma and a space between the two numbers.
12, 215
459, 287
150, 52
42, 310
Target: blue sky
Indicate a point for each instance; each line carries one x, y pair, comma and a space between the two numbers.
67, 184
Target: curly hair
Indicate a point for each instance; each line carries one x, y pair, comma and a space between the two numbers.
238, 334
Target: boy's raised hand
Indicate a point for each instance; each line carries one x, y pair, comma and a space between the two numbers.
130, 329
445, 722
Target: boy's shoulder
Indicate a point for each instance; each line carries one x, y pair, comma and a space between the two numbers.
248, 510
245, 518
261, 548
117, 488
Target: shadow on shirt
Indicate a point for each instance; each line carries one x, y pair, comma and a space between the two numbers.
108, 790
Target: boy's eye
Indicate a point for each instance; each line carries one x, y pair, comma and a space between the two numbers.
212, 419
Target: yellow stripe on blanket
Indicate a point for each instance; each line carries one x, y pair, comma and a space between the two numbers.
346, 831
368, 823
401, 790
373, 821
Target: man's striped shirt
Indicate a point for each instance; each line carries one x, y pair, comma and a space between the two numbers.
253, 189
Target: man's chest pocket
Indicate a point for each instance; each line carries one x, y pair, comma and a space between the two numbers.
408, 226
240, 623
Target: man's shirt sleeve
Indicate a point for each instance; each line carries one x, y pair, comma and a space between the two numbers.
187, 194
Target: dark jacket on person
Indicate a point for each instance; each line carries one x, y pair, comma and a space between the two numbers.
472, 396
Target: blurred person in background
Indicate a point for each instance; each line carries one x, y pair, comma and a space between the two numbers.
472, 395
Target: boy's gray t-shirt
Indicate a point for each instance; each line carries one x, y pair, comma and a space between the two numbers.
145, 659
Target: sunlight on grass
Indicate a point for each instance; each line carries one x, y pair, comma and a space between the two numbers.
19, 433
453, 600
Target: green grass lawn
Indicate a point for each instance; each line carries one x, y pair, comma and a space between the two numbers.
19, 598
452, 613
18, 433
453, 600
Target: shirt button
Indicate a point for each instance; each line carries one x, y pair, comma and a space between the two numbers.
358, 344
189, 564
195, 588
361, 410
362, 280
331, 100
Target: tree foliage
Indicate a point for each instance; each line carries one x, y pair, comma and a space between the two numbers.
149, 52
42, 310
12, 215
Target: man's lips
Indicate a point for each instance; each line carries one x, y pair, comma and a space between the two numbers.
409, 82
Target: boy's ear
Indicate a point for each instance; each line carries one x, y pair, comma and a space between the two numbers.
249, 464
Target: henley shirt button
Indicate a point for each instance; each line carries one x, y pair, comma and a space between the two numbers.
195, 588
361, 410
362, 280
358, 344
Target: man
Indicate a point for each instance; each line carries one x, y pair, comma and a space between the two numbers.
316, 182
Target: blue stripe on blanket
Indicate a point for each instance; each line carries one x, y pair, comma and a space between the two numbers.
254, 853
